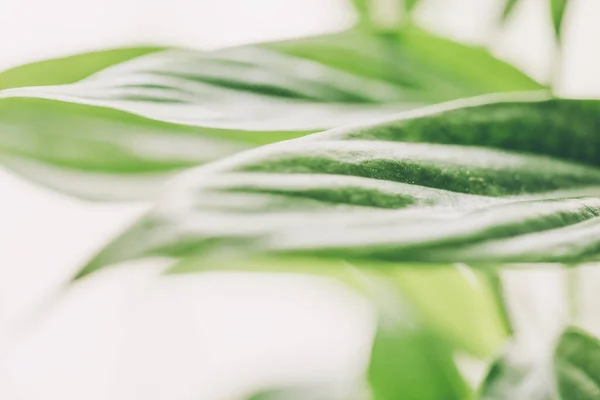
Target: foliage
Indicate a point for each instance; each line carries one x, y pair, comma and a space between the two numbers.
385, 158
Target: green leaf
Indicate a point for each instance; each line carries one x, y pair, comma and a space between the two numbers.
557, 11
457, 302
454, 302
518, 375
407, 361
410, 5
294, 393
577, 365
70, 69
509, 7
120, 132
474, 181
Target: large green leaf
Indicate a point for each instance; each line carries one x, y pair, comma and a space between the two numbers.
476, 181
117, 133
577, 366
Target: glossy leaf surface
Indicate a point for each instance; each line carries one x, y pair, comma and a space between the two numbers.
118, 133
463, 182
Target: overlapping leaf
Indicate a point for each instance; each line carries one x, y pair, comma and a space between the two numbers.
577, 365
129, 126
569, 371
479, 182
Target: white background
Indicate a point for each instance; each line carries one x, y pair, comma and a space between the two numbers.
126, 335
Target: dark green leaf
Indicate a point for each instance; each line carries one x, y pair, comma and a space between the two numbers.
480, 182
119, 132
557, 10
577, 366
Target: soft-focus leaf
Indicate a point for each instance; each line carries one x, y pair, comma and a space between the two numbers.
455, 302
118, 133
509, 7
470, 181
295, 393
70, 69
410, 5
407, 361
577, 366
557, 10
516, 374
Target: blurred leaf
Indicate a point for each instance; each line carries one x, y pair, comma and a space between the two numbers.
557, 10
516, 374
407, 361
577, 366
410, 5
456, 302
421, 187
572, 374
448, 300
509, 7
294, 393
60, 71
118, 133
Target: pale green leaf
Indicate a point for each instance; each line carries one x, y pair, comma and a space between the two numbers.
509, 7
407, 360
577, 366
69, 69
470, 181
410, 5
118, 133
557, 11
455, 302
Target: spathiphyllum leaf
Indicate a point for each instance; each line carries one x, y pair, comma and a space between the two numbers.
474, 181
577, 366
121, 131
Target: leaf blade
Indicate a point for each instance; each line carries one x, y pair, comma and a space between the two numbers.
171, 104
374, 193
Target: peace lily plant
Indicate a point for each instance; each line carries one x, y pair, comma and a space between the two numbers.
412, 168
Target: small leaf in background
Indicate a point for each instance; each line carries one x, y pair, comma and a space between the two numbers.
509, 8
455, 301
407, 361
517, 374
295, 393
557, 10
464, 182
410, 5
117, 134
577, 365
